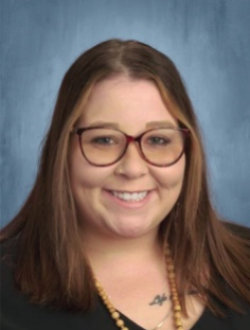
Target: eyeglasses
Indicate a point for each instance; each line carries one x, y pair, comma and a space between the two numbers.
105, 146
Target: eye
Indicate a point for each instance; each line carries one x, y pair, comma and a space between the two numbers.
103, 140
158, 140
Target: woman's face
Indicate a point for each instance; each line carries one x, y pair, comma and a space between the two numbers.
132, 106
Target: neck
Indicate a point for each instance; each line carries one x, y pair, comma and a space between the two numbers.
106, 250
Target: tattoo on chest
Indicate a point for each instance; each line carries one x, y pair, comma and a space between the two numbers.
159, 299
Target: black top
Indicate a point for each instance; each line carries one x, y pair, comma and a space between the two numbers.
17, 313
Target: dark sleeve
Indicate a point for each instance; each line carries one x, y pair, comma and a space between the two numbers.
17, 313
232, 320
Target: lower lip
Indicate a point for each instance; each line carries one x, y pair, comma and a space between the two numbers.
129, 204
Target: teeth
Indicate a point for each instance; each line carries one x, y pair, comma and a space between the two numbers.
135, 196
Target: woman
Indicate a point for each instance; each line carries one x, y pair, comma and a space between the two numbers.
119, 231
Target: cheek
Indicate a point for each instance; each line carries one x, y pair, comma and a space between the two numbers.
83, 174
171, 177
90, 177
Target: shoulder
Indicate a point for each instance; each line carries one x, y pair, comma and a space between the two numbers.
238, 230
7, 261
230, 321
18, 313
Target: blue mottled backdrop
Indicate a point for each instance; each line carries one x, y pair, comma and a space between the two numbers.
209, 40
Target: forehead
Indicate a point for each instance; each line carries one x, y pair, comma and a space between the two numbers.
125, 102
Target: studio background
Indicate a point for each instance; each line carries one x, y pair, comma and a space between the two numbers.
209, 41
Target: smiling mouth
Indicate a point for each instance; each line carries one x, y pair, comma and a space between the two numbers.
130, 196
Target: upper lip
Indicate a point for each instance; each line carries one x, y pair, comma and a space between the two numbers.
129, 191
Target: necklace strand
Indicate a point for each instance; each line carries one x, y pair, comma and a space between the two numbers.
176, 307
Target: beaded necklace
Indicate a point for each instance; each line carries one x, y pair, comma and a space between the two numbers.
176, 307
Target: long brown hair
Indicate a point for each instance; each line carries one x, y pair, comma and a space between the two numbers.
50, 265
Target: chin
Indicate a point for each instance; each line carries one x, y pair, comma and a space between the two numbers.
134, 231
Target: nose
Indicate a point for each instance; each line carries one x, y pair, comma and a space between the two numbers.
132, 165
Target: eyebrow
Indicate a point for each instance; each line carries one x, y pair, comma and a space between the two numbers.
103, 124
152, 124
161, 123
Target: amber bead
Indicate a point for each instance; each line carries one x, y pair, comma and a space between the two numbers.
120, 323
115, 315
